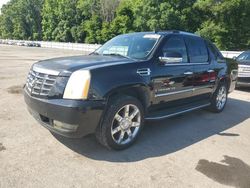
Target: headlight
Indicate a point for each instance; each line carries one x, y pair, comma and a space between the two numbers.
78, 85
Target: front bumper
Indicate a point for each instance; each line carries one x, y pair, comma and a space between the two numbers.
243, 82
86, 115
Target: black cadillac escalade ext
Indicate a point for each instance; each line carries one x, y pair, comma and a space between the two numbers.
130, 79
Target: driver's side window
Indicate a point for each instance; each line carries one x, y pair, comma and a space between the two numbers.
175, 45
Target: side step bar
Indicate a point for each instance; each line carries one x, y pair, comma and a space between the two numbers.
177, 113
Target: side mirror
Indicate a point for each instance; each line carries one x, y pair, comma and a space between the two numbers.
234, 57
171, 57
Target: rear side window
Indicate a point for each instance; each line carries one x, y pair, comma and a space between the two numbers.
197, 50
217, 54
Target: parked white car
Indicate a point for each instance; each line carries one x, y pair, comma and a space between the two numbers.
244, 69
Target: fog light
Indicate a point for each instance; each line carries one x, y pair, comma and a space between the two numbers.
64, 126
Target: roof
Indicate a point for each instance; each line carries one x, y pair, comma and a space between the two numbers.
176, 32
164, 33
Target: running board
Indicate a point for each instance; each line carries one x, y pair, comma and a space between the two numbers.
159, 117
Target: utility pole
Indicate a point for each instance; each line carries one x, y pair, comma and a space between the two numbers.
157, 27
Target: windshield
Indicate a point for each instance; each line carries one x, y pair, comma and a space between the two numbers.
245, 56
135, 46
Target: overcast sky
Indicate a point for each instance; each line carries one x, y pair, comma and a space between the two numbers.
3, 2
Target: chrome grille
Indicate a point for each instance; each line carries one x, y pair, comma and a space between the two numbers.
40, 83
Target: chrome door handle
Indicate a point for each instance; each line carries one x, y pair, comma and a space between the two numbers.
210, 71
188, 73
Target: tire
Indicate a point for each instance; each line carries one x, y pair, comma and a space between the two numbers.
219, 99
121, 124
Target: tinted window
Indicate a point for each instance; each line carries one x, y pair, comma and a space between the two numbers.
197, 50
217, 54
175, 45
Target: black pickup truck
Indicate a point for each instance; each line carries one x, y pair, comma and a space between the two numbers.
130, 79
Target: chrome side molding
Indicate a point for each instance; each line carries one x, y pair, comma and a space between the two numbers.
174, 92
183, 91
188, 73
210, 71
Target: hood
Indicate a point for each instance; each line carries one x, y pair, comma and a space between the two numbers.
66, 65
244, 62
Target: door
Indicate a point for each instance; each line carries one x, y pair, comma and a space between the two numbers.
172, 79
203, 70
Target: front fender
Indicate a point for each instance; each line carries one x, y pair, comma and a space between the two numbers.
108, 80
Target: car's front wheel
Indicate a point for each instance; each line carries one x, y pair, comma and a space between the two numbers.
122, 123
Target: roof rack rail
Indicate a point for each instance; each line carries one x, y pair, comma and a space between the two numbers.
175, 31
169, 31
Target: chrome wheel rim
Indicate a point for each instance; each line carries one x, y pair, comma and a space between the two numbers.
126, 124
221, 98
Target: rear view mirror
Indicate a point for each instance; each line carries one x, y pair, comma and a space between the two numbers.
171, 57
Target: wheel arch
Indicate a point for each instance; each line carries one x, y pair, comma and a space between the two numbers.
139, 91
226, 80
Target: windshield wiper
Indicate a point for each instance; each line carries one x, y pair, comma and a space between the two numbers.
116, 54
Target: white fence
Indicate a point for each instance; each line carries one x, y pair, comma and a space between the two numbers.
93, 47
88, 48
230, 54
60, 45
70, 46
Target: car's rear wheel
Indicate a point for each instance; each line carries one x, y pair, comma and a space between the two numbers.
219, 98
122, 123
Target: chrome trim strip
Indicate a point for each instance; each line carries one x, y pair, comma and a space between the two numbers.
188, 73
182, 91
243, 83
244, 66
185, 64
240, 75
175, 92
177, 113
45, 71
202, 87
170, 59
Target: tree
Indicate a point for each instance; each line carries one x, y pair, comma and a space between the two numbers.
6, 23
165, 15
227, 24
122, 23
108, 9
147, 15
21, 19
59, 17
50, 19
93, 28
